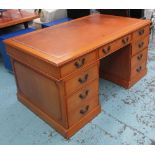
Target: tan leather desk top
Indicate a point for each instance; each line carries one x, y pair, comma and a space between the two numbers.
62, 43
13, 17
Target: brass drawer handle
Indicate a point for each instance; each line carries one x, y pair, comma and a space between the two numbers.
139, 57
125, 40
84, 79
106, 51
83, 111
141, 32
83, 96
79, 63
139, 69
140, 45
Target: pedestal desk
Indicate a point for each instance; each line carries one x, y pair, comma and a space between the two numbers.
57, 69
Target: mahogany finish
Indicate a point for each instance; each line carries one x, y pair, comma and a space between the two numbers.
14, 17
57, 69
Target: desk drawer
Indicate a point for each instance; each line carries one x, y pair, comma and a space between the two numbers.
140, 45
139, 58
79, 63
83, 95
80, 111
137, 70
115, 45
141, 33
78, 81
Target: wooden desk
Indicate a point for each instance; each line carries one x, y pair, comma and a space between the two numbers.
57, 68
14, 17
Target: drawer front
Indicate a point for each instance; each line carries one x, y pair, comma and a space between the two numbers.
80, 111
139, 58
78, 63
83, 95
140, 45
115, 45
80, 80
141, 33
137, 70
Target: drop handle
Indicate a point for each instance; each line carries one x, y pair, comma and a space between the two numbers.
141, 32
139, 57
125, 40
79, 63
84, 111
140, 45
139, 69
84, 79
83, 96
106, 51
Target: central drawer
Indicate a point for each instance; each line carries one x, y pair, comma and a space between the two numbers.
114, 46
79, 80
